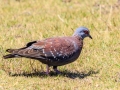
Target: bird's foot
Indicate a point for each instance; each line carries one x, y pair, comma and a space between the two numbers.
57, 71
47, 71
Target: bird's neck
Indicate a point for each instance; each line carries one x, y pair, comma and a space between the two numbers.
78, 37
79, 41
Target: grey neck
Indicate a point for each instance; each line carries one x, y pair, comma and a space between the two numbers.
79, 35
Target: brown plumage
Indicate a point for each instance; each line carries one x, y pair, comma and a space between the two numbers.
52, 51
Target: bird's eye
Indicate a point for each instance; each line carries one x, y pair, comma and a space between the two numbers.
86, 32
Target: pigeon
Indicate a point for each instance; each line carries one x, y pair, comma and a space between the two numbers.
55, 51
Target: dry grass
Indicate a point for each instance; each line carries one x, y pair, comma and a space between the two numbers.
98, 67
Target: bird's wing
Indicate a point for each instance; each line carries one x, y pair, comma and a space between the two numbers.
48, 48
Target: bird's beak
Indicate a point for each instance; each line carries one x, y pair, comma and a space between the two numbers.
90, 36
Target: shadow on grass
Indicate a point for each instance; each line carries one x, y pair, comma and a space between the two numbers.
65, 73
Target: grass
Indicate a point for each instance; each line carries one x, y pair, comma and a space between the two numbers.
98, 67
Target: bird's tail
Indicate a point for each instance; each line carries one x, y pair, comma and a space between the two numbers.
11, 50
9, 56
23, 52
12, 55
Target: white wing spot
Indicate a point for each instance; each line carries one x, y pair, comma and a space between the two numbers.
45, 55
61, 52
52, 54
57, 53
43, 51
54, 49
66, 40
51, 42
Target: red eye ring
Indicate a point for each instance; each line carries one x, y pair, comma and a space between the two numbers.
86, 32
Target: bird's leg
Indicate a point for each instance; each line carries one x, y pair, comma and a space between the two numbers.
48, 70
55, 69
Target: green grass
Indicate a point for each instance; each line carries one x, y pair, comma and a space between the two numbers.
98, 67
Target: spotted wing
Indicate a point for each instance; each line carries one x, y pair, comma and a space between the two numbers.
52, 48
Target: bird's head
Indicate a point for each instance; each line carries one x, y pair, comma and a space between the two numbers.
82, 32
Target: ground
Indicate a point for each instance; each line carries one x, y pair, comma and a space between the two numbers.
97, 68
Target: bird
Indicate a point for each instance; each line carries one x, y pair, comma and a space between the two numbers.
54, 51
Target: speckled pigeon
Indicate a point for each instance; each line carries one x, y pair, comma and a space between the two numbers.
55, 51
